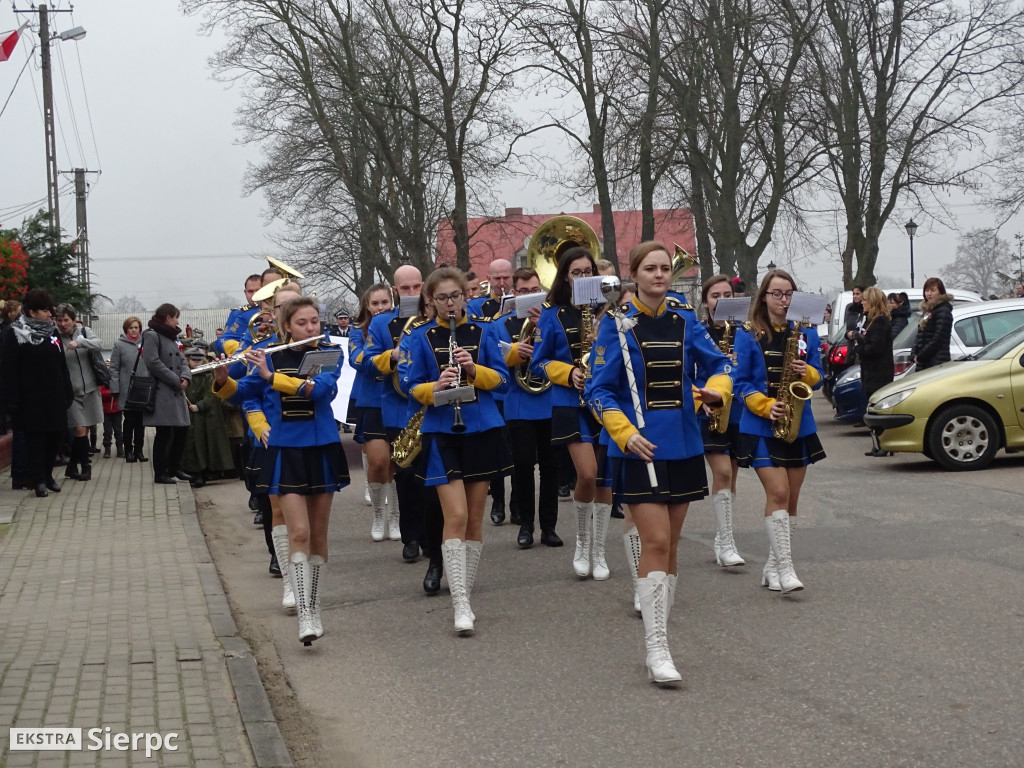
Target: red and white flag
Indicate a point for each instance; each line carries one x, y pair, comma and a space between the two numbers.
8, 41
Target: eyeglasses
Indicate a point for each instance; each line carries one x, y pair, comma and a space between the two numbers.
582, 273
528, 291
451, 297
780, 294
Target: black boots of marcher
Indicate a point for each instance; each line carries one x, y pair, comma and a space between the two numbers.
80, 465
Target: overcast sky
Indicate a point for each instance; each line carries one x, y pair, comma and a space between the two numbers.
167, 219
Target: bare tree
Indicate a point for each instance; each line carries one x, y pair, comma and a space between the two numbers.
128, 304
905, 89
982, 261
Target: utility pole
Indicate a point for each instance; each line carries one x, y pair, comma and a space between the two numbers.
82, 239
52, 180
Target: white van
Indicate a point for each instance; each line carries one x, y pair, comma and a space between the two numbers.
844, 299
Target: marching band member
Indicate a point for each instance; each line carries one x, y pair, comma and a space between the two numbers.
761, 351
459, 459
238, 319
720, 447
663, 336
382, 340
304, 464
499, 278
560, 343
527, 412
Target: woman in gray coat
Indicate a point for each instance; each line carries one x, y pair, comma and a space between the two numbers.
161, 352
123, 360
87, 409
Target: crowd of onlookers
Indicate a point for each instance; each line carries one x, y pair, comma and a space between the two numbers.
57, 391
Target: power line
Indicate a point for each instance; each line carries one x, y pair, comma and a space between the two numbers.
88, 112
17, 80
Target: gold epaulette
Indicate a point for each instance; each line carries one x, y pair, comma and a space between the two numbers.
481, 319
546, 305
748, 326
671, 302
417, 323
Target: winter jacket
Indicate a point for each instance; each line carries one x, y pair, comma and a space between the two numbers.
167, 365
935, 330
35, 385
874, 350
83, 378
122, 361
900, 319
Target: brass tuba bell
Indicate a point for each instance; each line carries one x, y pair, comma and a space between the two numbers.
553, 238
682, 262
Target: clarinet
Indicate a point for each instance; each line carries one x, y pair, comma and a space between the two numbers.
457, 425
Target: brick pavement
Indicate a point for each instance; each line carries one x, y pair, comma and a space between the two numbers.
112, 614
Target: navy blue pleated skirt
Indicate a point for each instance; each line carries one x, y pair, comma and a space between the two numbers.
680, 481
572, 424
475, 457
727, 442
373, 425
306, 471
758, 451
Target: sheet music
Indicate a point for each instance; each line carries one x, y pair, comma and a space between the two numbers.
587, 290
408, 306
807, 308
508, 302
530, 300
734, 310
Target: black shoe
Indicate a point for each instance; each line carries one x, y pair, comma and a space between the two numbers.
21, 485
60, 461
106, 451
564, 491
41, 491
617, 512
275, 567
514, 516
129, 458
257, 519
411, 552
182, 475
93, 450
52, 485
198, 482
140, 458
877, 452
432, 581
550, 539
120, 453
71, 471
497, 512
164, 480
254, 505
525, 538
86, 474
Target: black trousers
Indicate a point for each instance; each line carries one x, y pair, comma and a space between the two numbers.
433, 524
410, 504
268, 521
531, 445
134, 432
21, 470
41, 451
168, 447
112, 429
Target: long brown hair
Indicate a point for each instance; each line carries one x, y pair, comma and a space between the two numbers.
364, 316
759, 320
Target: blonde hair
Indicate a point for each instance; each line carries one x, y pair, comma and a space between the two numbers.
875, 303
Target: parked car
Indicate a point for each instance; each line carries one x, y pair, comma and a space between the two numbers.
845, 298
974, 326
960, 413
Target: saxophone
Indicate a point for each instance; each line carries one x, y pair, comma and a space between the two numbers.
586, 331
718, 419
792, 392
409, 443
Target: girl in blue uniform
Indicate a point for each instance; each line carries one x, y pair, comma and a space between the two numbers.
664, 341
460, 464
720, 448
304, 464
780, 466
558, 349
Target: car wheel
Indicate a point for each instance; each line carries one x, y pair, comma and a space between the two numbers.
963, 437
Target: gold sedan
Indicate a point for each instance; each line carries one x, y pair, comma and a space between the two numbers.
960, 413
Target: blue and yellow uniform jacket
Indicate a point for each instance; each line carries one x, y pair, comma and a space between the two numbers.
664, 346
429, 356
518, 403
372, 379
233, 391
235, 327
384, 335
298, 411
760, 368
405, 346
556, 344
736, 408
355, 360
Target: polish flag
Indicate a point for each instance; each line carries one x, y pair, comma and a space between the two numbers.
8, 41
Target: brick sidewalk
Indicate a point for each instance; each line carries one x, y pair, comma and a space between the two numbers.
112, 614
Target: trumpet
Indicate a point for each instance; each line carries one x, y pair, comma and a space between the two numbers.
240, 356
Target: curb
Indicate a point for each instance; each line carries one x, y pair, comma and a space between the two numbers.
265, 740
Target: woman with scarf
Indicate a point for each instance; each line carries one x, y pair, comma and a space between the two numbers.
122, 363
86, 410
36, 386
161, 352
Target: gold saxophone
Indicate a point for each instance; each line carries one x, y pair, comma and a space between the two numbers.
718, 419
792, 392
586, 331
409, 443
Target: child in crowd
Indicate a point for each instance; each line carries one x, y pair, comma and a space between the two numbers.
111, 423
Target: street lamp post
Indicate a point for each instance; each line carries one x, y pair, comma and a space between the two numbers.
911, 228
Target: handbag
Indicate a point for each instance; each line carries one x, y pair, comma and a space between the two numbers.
98, 363
141, 395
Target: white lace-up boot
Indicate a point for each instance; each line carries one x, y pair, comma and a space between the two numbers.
473, 551
366, 479
778, 530
300, 572
725, 546
454, 553
378, 531
316, 564
602, 514
631, 543
584, 520
394, 530
654, 606
279, 534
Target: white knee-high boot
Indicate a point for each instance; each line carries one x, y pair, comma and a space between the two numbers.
303, 586
378, 530
366, 479
631, 543
454, 553
725, 546
584, 520
394, 530
602, 513
654, 605
777, 526
474, 549
316, 564
279, 534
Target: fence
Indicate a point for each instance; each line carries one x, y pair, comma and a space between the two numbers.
108, 325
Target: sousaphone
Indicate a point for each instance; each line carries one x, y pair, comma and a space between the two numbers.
553, 238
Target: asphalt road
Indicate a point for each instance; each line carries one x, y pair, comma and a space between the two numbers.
903, 650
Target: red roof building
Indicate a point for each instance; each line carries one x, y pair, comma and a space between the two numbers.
506, 237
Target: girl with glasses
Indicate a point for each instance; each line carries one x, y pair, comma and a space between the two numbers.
560, 344
780, 466
452, 351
